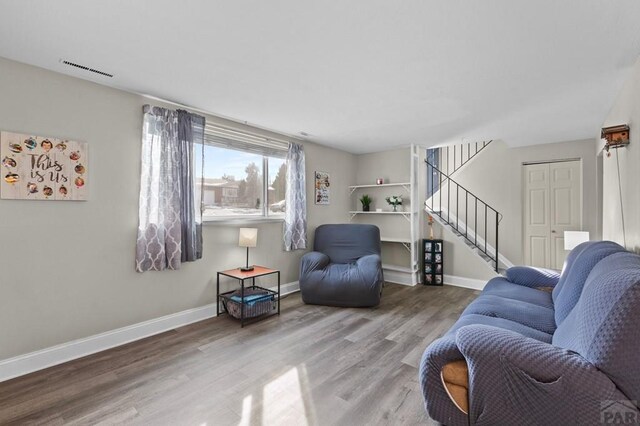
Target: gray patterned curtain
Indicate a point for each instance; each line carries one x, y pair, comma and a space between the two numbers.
190, 136
295, 217
169, 229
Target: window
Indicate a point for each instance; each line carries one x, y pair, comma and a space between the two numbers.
433, 177
240, 171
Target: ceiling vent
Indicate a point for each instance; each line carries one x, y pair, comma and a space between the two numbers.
86, 68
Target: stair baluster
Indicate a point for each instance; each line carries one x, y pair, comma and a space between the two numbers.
459, 157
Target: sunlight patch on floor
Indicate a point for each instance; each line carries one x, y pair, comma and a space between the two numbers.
283, 400
245, 418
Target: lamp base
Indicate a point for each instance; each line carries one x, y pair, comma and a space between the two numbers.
246, 268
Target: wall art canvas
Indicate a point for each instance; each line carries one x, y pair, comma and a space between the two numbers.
42, 168
323, 183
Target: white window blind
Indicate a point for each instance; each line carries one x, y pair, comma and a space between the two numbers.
226, 137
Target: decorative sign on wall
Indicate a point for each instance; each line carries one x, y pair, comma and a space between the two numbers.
322, 183
40, 168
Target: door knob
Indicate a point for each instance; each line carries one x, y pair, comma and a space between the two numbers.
553, 231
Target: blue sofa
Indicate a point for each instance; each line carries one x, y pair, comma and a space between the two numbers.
345, 267
522, 354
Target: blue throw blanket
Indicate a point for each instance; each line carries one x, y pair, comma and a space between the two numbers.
252, 299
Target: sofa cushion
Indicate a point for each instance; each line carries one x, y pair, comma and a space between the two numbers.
500, 286
346, 243
529, 314
569, 287
568, 264
530, 276
471, 319
604, 326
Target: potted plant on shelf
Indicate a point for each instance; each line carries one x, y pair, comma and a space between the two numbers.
366, 202
395, 201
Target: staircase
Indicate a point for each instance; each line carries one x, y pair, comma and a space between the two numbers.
455, 207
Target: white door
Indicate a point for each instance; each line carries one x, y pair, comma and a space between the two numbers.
553, 204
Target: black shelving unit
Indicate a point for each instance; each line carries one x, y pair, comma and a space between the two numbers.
432, 262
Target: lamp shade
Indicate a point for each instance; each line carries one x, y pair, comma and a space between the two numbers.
248, 237
572, 239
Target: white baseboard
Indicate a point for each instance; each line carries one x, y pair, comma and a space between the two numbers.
289, 288
44, 358
397, 277
464, 282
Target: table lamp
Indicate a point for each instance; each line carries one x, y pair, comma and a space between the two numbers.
572, 239
248, 237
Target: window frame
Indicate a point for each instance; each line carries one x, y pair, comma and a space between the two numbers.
265, 216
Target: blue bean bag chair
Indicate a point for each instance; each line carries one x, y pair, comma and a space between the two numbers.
344, 268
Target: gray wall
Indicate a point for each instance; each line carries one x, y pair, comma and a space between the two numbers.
626, 110
67, 268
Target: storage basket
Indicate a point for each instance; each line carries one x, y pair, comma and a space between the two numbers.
253, 307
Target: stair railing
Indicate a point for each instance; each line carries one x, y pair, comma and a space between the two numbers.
451, 202
453, 157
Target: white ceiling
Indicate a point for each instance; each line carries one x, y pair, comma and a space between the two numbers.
361, 75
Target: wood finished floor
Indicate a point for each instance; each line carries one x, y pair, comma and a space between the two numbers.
313, 365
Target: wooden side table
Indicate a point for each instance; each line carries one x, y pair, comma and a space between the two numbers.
270, 295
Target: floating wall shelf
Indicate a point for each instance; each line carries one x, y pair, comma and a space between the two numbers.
405, 185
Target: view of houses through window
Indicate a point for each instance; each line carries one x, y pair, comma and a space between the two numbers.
234, 183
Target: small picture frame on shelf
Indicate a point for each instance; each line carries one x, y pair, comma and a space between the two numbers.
439, 268
427, 247
438, 258
438, 279
427, 268
438, 247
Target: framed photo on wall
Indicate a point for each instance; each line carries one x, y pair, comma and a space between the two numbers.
322, 188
